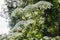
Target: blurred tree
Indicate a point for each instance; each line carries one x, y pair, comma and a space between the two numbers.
13, 4
52, 18
34, 20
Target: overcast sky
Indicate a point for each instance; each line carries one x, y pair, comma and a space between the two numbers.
3, 23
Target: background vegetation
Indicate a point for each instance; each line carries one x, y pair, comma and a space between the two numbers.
33, 20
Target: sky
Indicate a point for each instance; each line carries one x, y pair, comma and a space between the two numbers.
3, 26
3, 21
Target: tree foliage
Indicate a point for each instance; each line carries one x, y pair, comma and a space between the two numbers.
34, 20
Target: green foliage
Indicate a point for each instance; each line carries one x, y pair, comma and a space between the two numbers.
32, 20
52, 18
35, 20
